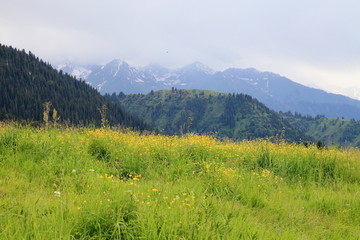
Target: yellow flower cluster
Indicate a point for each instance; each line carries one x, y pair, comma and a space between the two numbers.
264, 173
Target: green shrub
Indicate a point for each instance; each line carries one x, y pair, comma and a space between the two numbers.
99, 150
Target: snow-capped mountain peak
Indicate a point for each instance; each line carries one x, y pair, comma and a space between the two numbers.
116, 65
199, 67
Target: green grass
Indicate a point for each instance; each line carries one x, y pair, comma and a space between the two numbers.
103, 184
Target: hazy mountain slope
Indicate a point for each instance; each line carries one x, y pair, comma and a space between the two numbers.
282, 94
236, 116
277, 92
26, 82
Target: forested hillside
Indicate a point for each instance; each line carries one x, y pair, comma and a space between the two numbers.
26, 83
331, 131
236, 116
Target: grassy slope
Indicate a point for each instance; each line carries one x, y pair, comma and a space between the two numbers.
102, 184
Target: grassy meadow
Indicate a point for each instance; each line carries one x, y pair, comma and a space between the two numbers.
84, 183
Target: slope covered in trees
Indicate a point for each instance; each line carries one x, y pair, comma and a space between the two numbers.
26, 83
331, 131
236, 116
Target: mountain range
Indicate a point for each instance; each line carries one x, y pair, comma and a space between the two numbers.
275, 91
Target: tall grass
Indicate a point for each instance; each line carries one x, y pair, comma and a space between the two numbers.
105, 184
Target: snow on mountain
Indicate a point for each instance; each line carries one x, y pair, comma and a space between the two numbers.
115, 66
119, 76
81, 73
78, 71
197, 67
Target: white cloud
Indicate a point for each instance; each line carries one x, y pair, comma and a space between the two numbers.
312, 42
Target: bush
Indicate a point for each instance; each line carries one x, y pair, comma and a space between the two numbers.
99, 150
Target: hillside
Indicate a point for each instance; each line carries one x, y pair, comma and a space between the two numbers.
236, 116
103, 184
26, 83
275, 91
331, 131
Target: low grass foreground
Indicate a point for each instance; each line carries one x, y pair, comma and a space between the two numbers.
105, 184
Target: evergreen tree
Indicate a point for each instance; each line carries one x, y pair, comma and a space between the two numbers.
26, 82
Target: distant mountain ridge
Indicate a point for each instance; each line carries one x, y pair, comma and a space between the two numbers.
275, 91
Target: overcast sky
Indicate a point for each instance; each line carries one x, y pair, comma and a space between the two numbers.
313, 42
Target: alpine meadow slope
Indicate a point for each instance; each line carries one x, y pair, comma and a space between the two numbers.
83, 183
